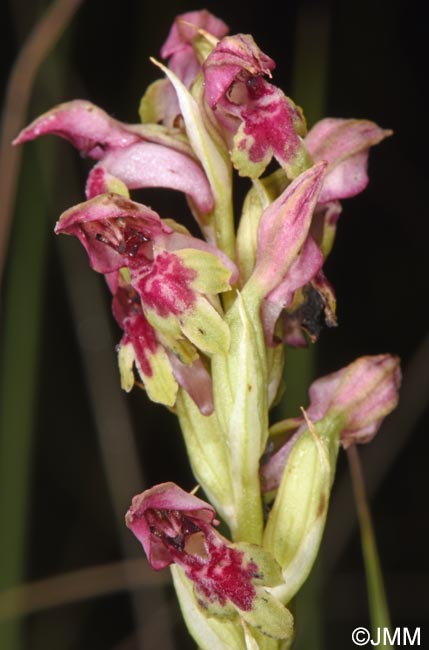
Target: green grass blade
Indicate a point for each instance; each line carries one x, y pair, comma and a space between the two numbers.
20, 338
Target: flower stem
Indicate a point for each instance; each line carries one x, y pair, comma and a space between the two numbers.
379, 612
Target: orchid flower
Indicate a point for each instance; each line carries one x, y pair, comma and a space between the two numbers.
359, 396
173, 280
229, 579
305, 299
262, 121
344, 144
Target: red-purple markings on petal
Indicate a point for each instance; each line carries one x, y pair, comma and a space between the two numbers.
115, 231
137, 331
175, 527
269, 124
97, 182
165, 287
86, 126
239, 95
344, 144
147, 164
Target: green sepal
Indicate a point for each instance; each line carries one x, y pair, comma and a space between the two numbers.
269, 570
207, 454
276, 384
115, 185
208, 633
149, 109
160, 386
203, 45
212, 276
125, 362
255, 640
200, 323
205, 328
169, 334
296, 522
269, 616
240, 392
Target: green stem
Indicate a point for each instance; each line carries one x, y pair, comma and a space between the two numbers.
246, 367
379, 612
224, 221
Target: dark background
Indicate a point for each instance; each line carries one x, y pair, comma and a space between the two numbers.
341, 59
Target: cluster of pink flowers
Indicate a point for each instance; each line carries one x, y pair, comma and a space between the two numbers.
205, 320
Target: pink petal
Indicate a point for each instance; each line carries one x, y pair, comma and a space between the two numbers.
196, 381
302, 271
272, 471
284, 227
145, 164
182, 34
85, 125
344, 144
